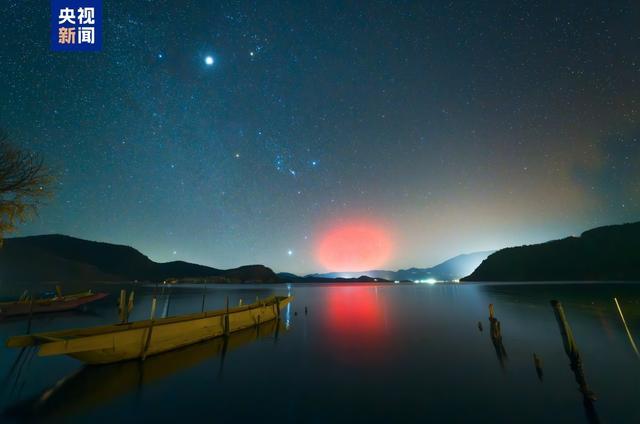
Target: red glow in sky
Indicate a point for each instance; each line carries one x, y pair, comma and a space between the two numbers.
354, 246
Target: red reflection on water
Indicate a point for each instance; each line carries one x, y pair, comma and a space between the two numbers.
355, 320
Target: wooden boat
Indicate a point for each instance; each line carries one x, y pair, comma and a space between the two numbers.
121, 342
93, 386
26, 306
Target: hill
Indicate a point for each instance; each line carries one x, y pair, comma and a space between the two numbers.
604, 253
316, 278
449, 270
64, 258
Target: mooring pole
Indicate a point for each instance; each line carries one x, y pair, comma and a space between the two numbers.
30, 316
130, 303
166, 304
537, 362
122, 309
571, 349
624, 322
204, 295
496, 337
226, 318
154, 303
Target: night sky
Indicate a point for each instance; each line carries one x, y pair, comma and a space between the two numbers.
229, 133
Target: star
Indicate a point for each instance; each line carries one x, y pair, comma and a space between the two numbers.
290, 252
208, 60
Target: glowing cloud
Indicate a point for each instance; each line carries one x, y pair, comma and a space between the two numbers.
357, 245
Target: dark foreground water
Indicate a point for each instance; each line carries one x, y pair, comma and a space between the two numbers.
363, 353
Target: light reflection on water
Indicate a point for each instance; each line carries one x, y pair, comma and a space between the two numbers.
354, 323
371, 353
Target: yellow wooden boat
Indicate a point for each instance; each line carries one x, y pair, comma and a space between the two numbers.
95, 386
121, 342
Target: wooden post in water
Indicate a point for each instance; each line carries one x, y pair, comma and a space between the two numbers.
204, 295
166, 305
277, 333
571, 349
568, 341
496, 337
122, 309
537, 362
30, 316
130, 303
226, 317
223, 355
624, 322
154, 303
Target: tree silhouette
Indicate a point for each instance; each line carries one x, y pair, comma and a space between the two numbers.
24, 183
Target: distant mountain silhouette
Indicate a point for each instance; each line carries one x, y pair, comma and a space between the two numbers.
315, 278
64, 258
451, 269
604, 253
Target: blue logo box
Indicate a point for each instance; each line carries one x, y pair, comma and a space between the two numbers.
76, 25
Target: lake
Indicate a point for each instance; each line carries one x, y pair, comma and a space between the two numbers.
362, 353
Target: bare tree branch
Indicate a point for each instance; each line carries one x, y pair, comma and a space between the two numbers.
24, 184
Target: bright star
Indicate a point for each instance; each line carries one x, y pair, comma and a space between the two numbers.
290, 252
208, 60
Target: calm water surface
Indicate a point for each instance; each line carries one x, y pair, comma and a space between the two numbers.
363, 353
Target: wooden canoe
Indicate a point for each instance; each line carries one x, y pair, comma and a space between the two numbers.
96, 385
55, 304
121, 342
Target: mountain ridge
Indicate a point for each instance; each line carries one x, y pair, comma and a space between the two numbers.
609, 252
449, 270
57, 257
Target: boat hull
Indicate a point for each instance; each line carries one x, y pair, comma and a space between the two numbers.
94, 386
147, 338
44, 306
